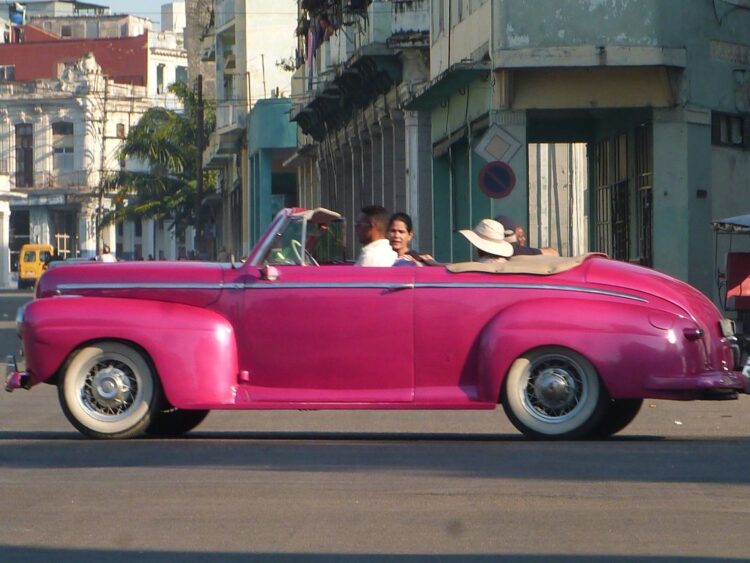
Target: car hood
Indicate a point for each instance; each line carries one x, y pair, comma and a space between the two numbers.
196, 283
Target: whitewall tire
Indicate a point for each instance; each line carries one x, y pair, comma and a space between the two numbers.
554, 393
109, 390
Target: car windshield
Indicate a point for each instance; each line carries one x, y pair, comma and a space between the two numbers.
325, 243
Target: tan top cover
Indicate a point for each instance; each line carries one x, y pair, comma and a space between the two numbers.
538, 265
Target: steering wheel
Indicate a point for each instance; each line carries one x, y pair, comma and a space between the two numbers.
298, 250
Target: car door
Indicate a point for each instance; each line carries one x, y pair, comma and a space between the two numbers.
339, 334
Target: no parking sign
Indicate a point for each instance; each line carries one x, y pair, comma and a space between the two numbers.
497, 179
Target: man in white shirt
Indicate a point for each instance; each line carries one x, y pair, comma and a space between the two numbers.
371, 227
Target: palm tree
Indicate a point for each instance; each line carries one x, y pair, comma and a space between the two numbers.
168, 141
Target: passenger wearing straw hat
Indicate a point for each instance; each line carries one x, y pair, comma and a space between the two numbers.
488, 237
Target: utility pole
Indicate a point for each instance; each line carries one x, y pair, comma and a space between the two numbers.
199, 170
263, 69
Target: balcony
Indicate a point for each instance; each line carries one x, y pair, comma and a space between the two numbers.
358, 63
63, 180
230, 117
223, 13
224, 142
219, 153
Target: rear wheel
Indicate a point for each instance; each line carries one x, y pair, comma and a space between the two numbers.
554, 393
171, 421
620, 413
108, 390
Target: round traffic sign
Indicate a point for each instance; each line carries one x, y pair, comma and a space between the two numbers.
497, 179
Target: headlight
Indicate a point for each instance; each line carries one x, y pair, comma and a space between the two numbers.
20, 318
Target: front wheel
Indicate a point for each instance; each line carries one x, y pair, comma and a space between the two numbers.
108, 390
554, 393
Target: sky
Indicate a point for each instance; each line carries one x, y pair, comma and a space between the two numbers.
150, 9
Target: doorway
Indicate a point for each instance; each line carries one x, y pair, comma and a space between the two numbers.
558, 197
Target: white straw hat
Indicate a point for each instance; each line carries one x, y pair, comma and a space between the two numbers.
489, 236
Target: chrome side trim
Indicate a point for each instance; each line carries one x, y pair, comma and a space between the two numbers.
170, 285
542, 286
349, 285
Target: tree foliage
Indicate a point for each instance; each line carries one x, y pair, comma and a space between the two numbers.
167, 141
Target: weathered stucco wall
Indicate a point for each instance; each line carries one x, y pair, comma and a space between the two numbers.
469, 39
553, 23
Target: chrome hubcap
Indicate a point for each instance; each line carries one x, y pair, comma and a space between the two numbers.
110, 386
554, 388
109, 389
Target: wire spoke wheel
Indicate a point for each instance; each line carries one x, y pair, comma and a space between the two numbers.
108, 390
553, 393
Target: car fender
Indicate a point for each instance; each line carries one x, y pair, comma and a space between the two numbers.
193, 349
627, 342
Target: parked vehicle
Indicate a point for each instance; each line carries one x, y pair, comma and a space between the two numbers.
569, 346
31, 263
734, 280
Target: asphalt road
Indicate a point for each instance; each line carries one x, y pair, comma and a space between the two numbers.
372, 486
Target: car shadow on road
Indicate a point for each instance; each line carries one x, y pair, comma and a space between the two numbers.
623, 459
43, 555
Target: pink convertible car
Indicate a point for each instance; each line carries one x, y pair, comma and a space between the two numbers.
569, 346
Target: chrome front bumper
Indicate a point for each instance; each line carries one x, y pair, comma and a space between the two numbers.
15, 379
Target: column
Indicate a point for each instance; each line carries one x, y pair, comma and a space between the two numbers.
169, 241
355, 150
109, 237
6, 143
87, 230
419, 177
386, 161
376, 161
190, 241
42, 148
365, 166
346, 196
128, 241
399, 163
4, 244
681, 217
147, 238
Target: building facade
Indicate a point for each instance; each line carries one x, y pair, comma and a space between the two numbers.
245, 41
358, 63
650, 110
79, 79
58, 140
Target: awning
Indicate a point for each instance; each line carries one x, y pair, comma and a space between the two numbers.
738, 224
371, 74
450, 81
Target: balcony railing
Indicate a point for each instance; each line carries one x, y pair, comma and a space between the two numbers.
77, 180
397, 23
230, 116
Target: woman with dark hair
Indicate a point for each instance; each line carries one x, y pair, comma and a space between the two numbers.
400, 235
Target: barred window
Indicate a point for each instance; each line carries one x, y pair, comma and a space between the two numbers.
730, 130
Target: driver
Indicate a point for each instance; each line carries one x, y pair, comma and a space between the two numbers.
371, 227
